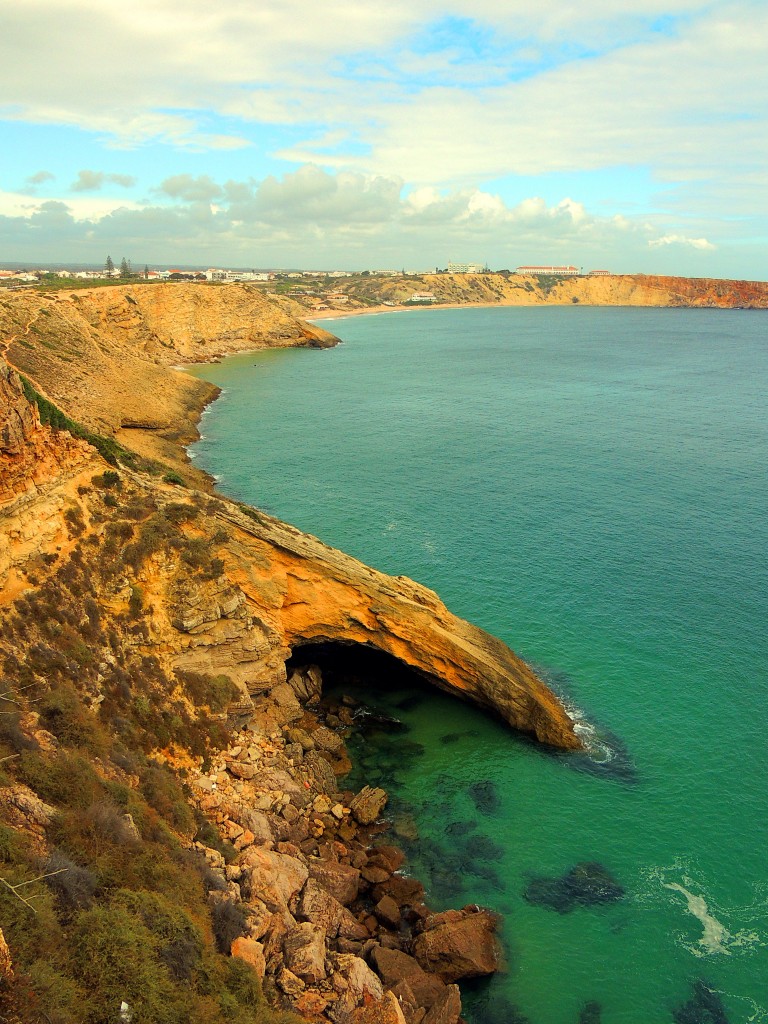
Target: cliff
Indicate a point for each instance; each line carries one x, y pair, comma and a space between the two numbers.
364, 292
106, 355
168, 789
288, 588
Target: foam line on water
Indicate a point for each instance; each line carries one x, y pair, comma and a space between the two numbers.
716, 936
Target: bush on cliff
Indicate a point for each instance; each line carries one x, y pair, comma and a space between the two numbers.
122, 913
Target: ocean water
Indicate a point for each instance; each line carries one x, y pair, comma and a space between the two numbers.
590, 485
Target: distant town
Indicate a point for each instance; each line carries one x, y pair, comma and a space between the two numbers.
56, 274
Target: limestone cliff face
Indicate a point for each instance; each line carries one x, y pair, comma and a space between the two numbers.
38, 472
518, 290
105, 355
303, 591
272, 589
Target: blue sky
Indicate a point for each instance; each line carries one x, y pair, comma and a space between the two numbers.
334, 135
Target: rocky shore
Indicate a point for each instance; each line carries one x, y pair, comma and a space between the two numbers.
331, 920
127, 603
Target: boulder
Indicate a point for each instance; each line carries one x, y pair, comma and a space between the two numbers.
321, 773
406, 892
319, 907
340, 880
388, 911
389, 857
274, 877
310, 1004
368, 805
358, 984
394, 966
252, 952
304, 952
458, 944
385, 1011
289, 983
285, 698
257, 823
326, 739
446, 1009
306, 683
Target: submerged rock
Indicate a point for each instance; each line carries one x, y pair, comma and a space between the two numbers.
585, 885
704, 1007
591, 1013
485, 796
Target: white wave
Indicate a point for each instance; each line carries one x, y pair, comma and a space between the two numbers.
596, 747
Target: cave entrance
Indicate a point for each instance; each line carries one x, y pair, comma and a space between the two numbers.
363, 672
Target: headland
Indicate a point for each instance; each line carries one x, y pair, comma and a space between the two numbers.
162, 704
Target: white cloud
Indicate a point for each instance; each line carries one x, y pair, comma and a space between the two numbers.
92, 181
315, 218
694, 243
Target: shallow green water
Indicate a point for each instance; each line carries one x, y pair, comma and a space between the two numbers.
590, 485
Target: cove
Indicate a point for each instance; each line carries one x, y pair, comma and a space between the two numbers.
589, 485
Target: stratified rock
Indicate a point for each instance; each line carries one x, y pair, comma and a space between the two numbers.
368, 805
585, 885
304, 952
458, 944
306, 683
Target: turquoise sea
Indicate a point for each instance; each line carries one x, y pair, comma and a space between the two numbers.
591, 486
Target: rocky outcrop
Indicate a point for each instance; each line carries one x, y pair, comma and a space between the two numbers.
39, 473
458, 944
18, 419
307, 592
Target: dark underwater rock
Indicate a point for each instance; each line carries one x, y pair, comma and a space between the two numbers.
585, 885
591, 1013
704, 1007
482, 848
485, 796
457, 829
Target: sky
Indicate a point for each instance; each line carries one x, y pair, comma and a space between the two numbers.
340, 135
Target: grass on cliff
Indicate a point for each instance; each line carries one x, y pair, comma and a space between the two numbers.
51, 415
104, 901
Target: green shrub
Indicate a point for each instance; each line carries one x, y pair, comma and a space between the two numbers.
65, 780
63, 713
217, 692
229, 923
161, 790
115, 959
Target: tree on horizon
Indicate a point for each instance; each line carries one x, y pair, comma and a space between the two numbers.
109, 267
